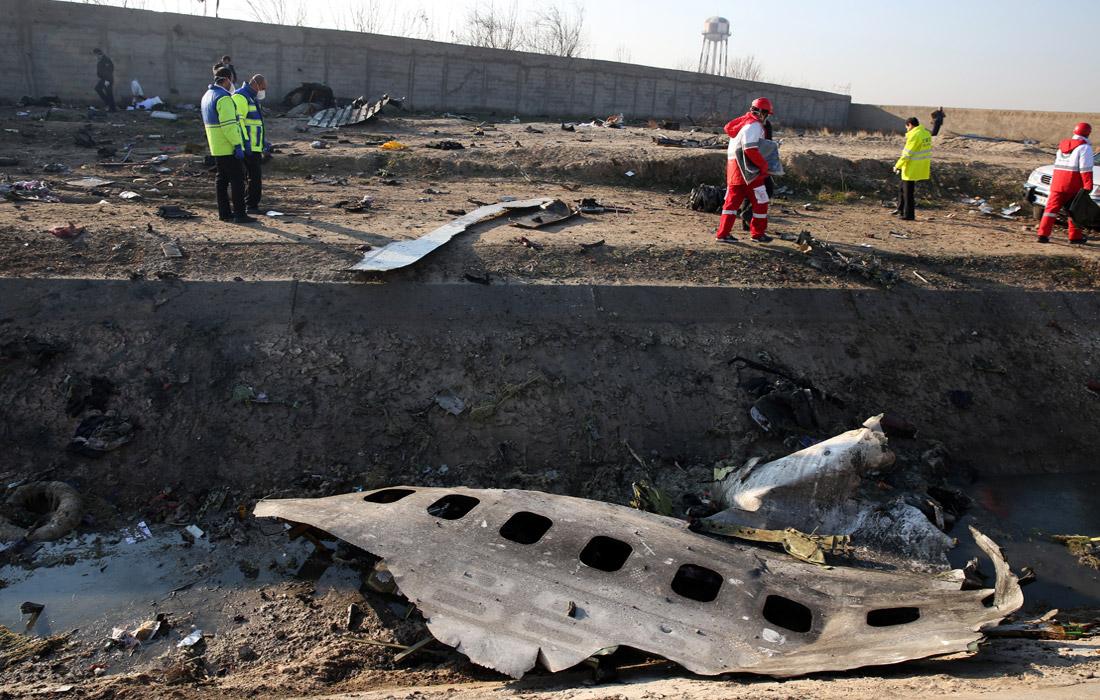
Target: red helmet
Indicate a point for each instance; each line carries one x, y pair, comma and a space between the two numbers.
763, 103
1083, 129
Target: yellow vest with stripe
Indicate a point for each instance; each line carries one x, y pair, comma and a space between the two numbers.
916, 158
252, 128
219, 117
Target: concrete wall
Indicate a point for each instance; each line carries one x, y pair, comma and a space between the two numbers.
50, 47
1046, 127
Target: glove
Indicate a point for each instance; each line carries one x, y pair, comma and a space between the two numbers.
897, 172
268, 147
238, 153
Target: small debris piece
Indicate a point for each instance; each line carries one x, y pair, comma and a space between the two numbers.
443, 145
190, 640
527, 243
393, 146
171, 250
101, 433
88, 183
450, 402
129, 195
68, 232
649, 498
319, 145
351, 620
476, 279
591, 205
171, 211
589, 246
706, 198
247, 653
55, 168
413, 649
195, 531
456, 212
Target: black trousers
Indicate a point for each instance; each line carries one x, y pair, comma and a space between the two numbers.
746, 207
106, 92
907, 202
230, 178
252, 162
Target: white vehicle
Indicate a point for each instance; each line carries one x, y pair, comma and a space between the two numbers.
1037, 188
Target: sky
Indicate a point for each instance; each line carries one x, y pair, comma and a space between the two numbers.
1005, 54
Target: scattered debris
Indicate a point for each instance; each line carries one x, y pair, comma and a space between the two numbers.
129, 195
138, 533
1046, 627
713, 142
445, 145
319, 145
171, 250
28, 190
393, 146
589, 246
403, 253
55, 168
632, 569
827, 257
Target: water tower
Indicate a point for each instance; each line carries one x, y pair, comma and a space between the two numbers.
716, 44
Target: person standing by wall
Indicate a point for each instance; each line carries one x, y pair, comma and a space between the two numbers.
226, 141
227, 62
915, 165
248, 99
746, 171
937, 121
105, 71
1072, 173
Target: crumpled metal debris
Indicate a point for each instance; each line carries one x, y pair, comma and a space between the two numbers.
818, 489
714, 142
358, 112
707, 198
552, 212
518, 578
101, 433
403, 253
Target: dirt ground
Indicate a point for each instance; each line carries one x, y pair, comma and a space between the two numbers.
275, 616
838, 188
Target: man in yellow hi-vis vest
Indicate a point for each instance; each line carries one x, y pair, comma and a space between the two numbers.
226, 141
914, 166
247, 99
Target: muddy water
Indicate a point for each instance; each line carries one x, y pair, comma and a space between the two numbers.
1021, 513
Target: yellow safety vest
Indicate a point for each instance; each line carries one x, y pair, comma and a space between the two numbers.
916, 158
219, 116
251, 125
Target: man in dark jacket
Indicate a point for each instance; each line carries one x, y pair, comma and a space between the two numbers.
105, 71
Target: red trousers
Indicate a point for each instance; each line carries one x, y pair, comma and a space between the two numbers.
1055, 202
735, 195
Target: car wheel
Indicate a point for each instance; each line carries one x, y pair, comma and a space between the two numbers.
1037, 211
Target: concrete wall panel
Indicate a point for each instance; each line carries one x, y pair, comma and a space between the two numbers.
171, 55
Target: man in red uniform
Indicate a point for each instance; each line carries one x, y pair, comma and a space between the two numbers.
746, 171
1072, 173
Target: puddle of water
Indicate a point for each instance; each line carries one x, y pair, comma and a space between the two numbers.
130, 583
1021, 513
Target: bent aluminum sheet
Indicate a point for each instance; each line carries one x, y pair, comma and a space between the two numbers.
509, 606
402, 253
349, 115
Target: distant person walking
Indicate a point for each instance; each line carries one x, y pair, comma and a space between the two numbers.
746, 171
915, 165
226, 141
937, 121
248, 99
1072, 173
105, 71
227, 62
